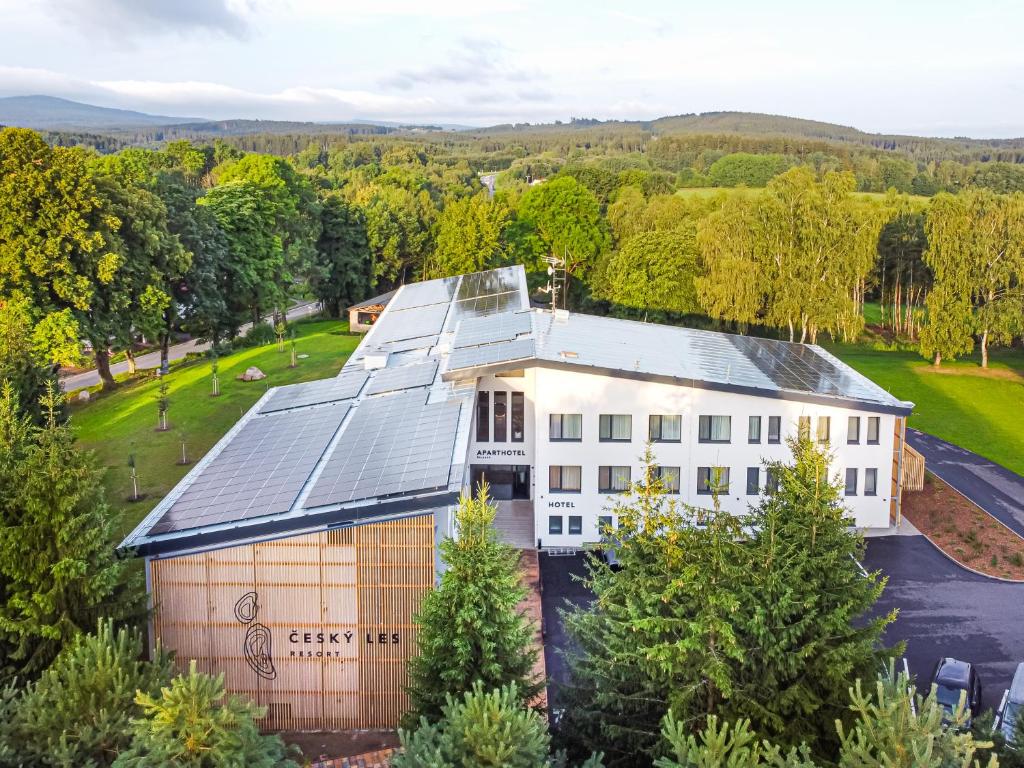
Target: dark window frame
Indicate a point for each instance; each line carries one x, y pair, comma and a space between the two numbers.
875, 421
852, 437
707, 419
561, 479
851, 472
551, 526
751, 420
500, 398
871, 472
609, 467
578, 526
755, 474
660, 431
483, 417
517, 412
774, 436
610, 416
561, 428
704, 486
659, 470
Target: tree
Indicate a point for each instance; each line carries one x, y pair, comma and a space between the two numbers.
79, 712
471, 236
902, 277
471, 628
27, 352
653, 271
193, 722
58, 569
745, 169
342, 273
398, 225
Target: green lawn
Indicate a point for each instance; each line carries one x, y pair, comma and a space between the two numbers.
980, 410
124, 421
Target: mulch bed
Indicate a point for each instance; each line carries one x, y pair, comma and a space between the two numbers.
964, 531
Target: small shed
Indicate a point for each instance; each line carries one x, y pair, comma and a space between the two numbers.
364, 314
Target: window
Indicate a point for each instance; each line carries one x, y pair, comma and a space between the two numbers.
665, 429
483, 417
873, 422
774, 429
565, 426
853, 430
870, 482
754, 429
500, 417
612, 479
616, 427
824, 429
555, 525
565, 479
753, 481
712, 479
714, 429
851, 482
604, 524
575, 525
771, 482
669, 477
803, 427
518, 417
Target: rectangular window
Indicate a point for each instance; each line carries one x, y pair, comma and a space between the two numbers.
500, 417
616, 427
774, 429
483, 417
824, 429
612, 479
575, 525
712, 479
753, 481
873, 426
714, 429
803, 427
851, 482
665, 429
853, 430
555, 524
669, 477
518, 417
754, 429
567, 427
771, 482
565, 479
604, 524
870, 482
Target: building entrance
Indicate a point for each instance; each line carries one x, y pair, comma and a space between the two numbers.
506, 481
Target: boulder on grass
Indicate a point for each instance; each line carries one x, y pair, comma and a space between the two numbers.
84, 395
252, 374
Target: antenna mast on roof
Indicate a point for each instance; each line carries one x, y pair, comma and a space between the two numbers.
556, 280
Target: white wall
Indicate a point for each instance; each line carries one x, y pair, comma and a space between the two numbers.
492, 452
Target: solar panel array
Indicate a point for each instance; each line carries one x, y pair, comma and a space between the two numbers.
410, 323
393, 445
493, 328
420, 342
259, 472
404, 377
343, 387
424, 294
489, 354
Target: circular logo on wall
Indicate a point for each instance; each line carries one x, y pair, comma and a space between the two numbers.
256, 646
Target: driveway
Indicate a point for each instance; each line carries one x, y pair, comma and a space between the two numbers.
995, 489
177, 352
943, 611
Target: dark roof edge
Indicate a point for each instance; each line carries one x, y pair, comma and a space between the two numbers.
382, 299
777, 394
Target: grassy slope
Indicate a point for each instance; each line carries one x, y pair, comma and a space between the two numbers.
981, 411
124, 422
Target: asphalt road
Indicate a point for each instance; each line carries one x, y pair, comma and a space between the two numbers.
944, 610
177, 352
995, 489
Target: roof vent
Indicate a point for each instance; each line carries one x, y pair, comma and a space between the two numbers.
375, 360
561, 315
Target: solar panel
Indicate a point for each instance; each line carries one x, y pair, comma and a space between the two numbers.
487, 305
405, 377
393, 445
490, 282
488, 354
423, 294
421, 342
409, 323
259, 472
492, 328
342, 387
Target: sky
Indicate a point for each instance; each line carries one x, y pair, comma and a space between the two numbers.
930, 68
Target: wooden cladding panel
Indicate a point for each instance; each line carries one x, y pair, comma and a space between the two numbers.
913, 469
336, 609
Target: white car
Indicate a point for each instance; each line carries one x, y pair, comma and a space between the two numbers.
1011, 708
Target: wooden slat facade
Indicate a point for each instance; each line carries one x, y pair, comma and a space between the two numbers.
327, 618
913, 470
896, 492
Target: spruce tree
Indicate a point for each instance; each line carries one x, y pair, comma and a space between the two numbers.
193, 723
471, 627
58, 569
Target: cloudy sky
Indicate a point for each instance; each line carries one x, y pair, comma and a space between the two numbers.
936, 68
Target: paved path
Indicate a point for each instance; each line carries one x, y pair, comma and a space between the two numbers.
995, 489
177, 352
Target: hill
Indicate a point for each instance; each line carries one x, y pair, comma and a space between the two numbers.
47, 113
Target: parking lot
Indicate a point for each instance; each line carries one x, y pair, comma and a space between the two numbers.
944, 610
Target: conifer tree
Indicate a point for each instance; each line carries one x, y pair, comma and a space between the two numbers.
193, 723
471, 628
58, 569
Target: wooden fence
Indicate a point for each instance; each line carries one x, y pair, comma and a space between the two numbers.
913, 469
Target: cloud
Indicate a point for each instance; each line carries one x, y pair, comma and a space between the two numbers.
475, 62
129, 19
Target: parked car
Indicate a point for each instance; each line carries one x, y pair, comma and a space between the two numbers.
952, 679
1011, 708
